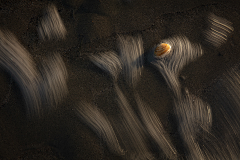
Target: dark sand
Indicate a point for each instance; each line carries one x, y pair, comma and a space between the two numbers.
93, 27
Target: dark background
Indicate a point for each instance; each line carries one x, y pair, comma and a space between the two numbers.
93, 26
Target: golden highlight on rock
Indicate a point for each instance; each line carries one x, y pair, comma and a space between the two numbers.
162, 49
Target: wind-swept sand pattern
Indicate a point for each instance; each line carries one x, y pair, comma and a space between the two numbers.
51, 25
219, 30
182, 53
108, 62
135, 133
53, 87
131, 54
227, 95
99, 123
194, 116
155, 128
17, 61
136, 142
47, 87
